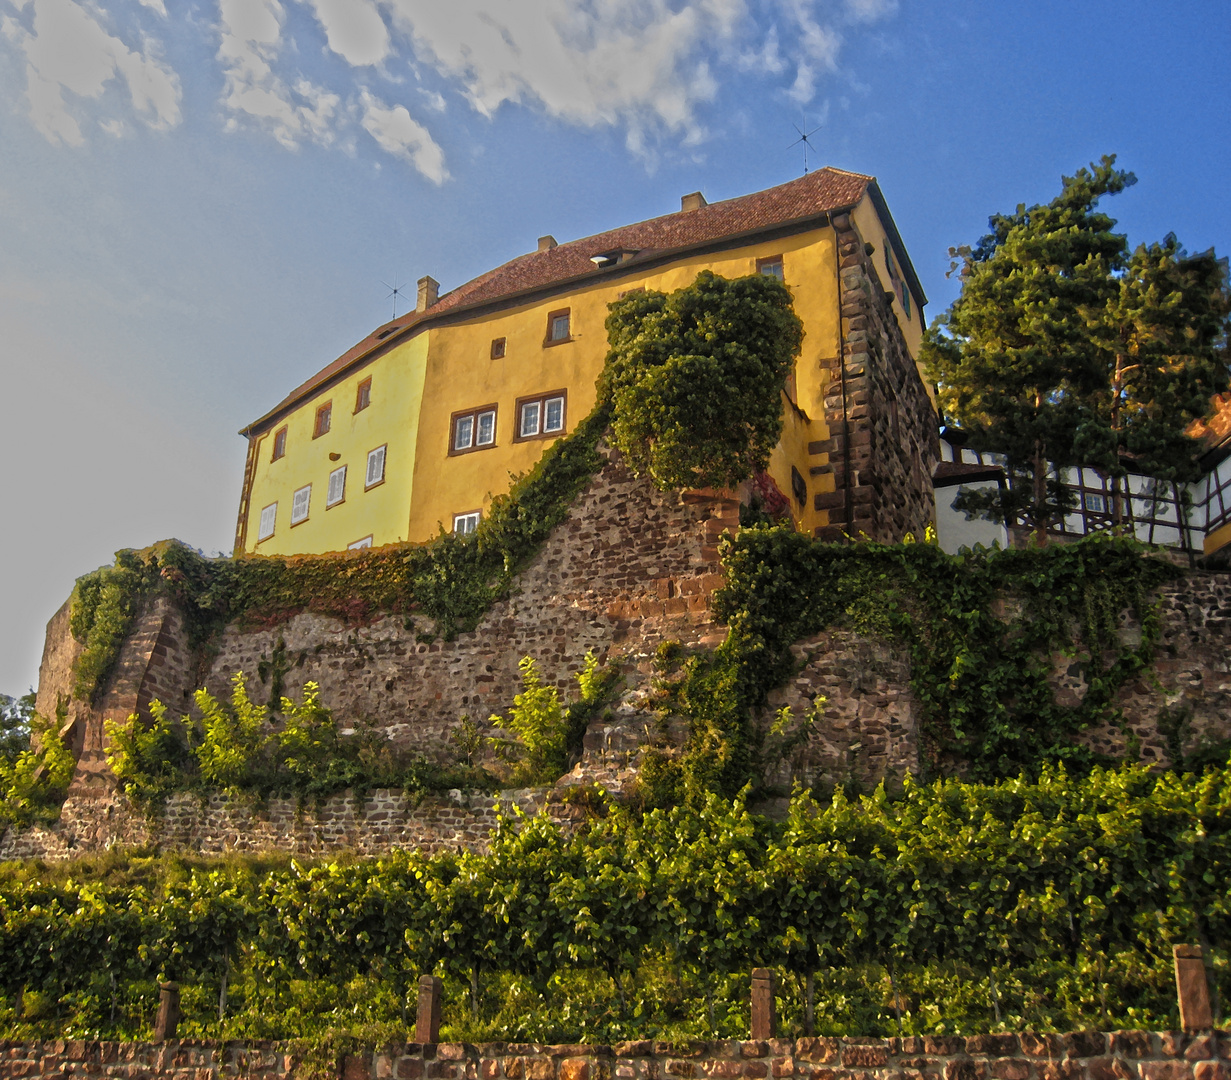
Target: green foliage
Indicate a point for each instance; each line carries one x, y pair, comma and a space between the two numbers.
1049, 905
1063, 350
984, 629
34, 779
236, 747
696, 378
547, 732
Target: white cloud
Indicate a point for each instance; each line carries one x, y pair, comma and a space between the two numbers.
871, 10
398, 133
251, 40
68, 49
155, 5
604, 62
354, 30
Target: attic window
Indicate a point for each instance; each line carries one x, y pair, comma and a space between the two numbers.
363, 395
385, 333
324, 417
279, 443
612, 258
771, 267
498, 348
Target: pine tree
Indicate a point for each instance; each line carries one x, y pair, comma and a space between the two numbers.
1015, 360
1165, 332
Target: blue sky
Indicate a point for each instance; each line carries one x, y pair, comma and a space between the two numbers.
200, 199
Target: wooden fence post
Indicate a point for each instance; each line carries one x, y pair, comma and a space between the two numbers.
168, 1019
763, 1026
1192, 989
427, 1023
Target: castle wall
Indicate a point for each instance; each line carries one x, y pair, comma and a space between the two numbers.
1084, 1055
883, 446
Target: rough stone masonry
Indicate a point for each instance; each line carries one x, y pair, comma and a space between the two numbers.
1085, 1055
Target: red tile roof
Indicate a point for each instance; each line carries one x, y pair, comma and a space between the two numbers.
816, 193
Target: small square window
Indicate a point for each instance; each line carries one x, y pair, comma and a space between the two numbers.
530, 419
337, 487
799, 487
376, 467
1095, 503
473, 429
268, 518
497, 348
559, 327
465, 524
771, 267
279, 443
359, 545
363, 395
300, 504
540, 415
324, 417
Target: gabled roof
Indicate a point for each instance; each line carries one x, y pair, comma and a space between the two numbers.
811, 196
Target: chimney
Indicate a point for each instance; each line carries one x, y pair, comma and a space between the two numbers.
692, 202
429, 290
546, 243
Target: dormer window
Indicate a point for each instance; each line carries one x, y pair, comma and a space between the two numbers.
612, 258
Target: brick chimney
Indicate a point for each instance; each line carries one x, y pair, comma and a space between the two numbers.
692, 202
546, 243
429, 290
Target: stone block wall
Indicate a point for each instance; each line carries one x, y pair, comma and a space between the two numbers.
379, 822
883, 446
1086, 1055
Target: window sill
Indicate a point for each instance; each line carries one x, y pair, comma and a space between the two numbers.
472, 450
301, 521
542, 435
330, 506
369, 487
558, 341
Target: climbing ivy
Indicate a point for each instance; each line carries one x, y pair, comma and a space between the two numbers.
984, 630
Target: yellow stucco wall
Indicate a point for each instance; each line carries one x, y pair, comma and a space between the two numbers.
392, 419
1219, 538
461, 374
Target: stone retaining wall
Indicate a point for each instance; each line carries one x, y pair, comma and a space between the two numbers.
1118, 1055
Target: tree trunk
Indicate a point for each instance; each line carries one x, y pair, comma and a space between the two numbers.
1041, 513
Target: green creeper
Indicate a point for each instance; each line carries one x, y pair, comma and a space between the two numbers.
696, 378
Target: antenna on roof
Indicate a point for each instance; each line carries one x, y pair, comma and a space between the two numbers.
804, 136
395, 290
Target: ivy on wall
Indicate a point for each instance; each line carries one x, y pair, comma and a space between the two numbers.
984, 630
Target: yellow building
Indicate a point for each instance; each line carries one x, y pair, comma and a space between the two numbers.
419, 425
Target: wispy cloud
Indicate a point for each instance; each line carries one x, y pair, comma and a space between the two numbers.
649, 67
66, 48
397, 133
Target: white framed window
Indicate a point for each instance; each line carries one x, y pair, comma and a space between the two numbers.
269, 517
541, 415
376, 467
337, 487
529, 419
771, 267
359, 545
300, 504
1095, 503
473, 429
465, 524
559, 327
